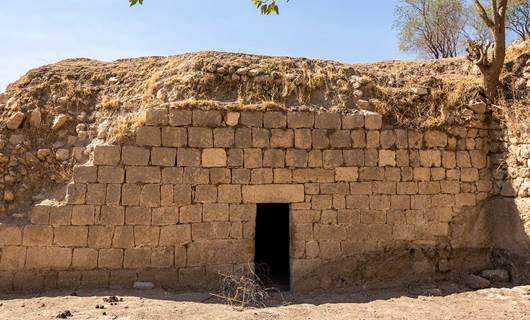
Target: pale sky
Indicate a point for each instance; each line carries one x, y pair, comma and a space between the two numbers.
35, 32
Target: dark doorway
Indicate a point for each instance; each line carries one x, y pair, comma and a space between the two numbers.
272, 245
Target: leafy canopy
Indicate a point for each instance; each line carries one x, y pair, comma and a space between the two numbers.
266, 7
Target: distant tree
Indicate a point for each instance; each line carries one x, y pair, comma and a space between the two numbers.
432, 28
488, 56
518, 18
265, 6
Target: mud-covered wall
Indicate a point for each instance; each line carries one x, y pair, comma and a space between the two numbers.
176, 206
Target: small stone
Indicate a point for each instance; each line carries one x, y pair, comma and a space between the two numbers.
59, 121
475, 282
478, 107
16, 139
62, 154
232, 118
364, 104
15, 120
35, 118
420, 91
42, 154
9, 196
496, 276
444, 265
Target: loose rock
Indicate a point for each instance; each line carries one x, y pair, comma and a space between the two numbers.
15, 120
62, 154
475, 282
59, 121
496, 276
35, 118
478, 107
420, 91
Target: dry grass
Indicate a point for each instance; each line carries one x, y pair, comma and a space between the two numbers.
124, 126
243, 290
109, 103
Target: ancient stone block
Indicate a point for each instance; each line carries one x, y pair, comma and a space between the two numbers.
13, 258
11, 234
96, 193
252, 119
261, 176
100, 236
174, 137
302, 138
162, 257
232, 119
371, 174
123, 237
196, 175
175, 235
138, 216
148, 136
110, 259
282, 138
182, 194
150, 195
40, 214
448, 159
143, 175
85, 258
156, 117
352, 121
373, 121
300, 119
172, 175
60, 215
207, 118
70, 236
214, 158
188, 157
137, 258
430, 158
332, 158
146, 236
165, 216
273, 193
223, 137
48, 258
130, 194
107, 174
164, 157
33, 235
85, 174
320, 138
274, 120
200, 137
205, 194
83, 215
388, 139
387, 158
383, 187
243, 138
107, 155
189, 214
327, 120
75, 193
435, 138
111, 216
178, 118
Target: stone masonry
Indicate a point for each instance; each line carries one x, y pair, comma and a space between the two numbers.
178, 206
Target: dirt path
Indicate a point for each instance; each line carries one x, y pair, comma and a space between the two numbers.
512, 303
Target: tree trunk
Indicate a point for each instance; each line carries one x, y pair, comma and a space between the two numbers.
490, 80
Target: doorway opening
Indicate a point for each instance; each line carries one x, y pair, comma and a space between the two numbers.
273, 245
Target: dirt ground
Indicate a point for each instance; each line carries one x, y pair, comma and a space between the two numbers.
412, 303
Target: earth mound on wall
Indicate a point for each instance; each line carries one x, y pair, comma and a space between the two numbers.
53, 115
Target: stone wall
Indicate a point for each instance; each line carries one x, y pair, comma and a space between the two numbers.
177, 206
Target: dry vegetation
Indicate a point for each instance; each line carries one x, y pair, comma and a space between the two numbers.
107, 100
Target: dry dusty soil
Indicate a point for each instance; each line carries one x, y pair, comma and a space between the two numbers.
498, 303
